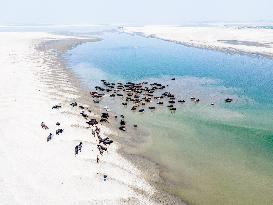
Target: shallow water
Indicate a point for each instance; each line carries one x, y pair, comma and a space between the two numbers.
220, 154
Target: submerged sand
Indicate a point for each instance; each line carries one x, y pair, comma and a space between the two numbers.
35, 171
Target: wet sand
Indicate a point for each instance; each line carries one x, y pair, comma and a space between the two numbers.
33, 79
148, 170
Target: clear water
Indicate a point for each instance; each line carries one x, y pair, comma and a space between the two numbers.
211, 155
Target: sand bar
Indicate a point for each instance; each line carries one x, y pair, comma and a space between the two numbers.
225, 38
34, 171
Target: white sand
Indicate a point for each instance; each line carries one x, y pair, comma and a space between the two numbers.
34, 171
249, 40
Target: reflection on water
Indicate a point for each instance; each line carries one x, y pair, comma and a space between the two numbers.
219, 154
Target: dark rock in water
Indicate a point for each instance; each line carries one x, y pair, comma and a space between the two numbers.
141, 110
228, 100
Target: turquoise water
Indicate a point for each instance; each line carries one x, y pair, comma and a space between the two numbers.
210, 155
120, 56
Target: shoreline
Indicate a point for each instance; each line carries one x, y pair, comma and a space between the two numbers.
139, 163
45, 81
226, 47
63, 46
147, 167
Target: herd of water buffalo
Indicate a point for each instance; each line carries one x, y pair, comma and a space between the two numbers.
139, 96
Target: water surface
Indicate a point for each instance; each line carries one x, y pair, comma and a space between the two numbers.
220, 154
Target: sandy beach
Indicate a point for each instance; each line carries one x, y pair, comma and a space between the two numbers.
41, 79
35, 171
225, 38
